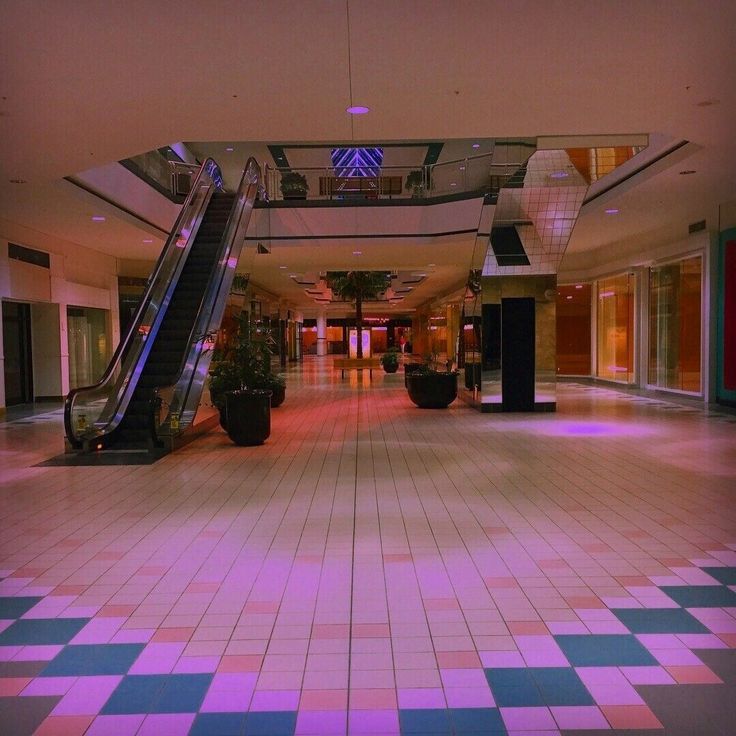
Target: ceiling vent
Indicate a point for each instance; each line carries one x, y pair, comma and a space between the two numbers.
696, 227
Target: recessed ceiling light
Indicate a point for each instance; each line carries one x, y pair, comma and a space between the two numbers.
568, 297
612, 211
559, 175
98, 218
229, 149
453, 184
686, 172
283, 267
431, 265
148, 240
578, 286
476, 145
18, 181
357, 252
462, 168
357, 109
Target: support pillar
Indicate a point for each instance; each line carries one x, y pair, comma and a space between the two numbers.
322, 332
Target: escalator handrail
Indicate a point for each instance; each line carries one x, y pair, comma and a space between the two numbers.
251, 177
209, 167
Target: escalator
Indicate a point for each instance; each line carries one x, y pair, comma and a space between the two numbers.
149, 396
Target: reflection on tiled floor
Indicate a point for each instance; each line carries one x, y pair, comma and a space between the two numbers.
373, 569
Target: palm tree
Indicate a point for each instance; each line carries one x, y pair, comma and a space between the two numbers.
357, 286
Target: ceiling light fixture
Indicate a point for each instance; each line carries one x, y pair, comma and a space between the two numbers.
352, 108
431, 265
98, 218
578, 286
229, 149
476, 145
148, 240
357, 109
357, 252
453, 184
559, 175
612, 211
283, 267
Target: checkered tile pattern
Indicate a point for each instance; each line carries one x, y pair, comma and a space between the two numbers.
372, 569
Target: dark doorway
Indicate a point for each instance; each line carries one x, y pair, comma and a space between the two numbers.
17, 351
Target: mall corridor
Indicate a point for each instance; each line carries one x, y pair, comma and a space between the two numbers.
377, 569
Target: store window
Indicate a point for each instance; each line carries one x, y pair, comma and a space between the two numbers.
675, 325
89, 345
615, 328
573, 330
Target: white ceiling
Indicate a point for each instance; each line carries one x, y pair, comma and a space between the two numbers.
84, 83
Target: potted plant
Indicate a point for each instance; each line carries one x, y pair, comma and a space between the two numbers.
415, 183
390, 360
356, 287
242, 386
294, 185
431, 387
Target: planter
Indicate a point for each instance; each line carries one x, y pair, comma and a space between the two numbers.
248, 416
278, 395
410, 368
432, 390
390, 367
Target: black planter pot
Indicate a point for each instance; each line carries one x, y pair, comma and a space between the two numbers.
410, 368
390, 367
278, 394
248, 416
432, 390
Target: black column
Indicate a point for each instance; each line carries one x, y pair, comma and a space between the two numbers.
517, 354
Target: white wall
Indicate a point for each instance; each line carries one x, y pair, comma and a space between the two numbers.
77, 276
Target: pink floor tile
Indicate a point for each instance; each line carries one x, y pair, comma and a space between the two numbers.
115, 725
38, 653
630, 716
240, 663
469, 697
702, 641
87, 696
11, 686
527, 718
49, 686
502, 659
327, 722
63, 726
649, 675
373, 699
578, 717
676, 657
421, 698
227, 701
458, 660
157, 659
694, 675
474, 677
166, 724
275, 700
621, 693
324, 700
368, 723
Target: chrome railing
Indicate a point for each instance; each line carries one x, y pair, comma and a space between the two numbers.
181, 400
471, 174
97, 410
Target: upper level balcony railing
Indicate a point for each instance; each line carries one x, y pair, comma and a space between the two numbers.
472, 174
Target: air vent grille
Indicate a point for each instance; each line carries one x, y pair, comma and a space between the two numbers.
28, 255
696, 227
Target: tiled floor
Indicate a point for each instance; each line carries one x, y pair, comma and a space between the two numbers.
376, 569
